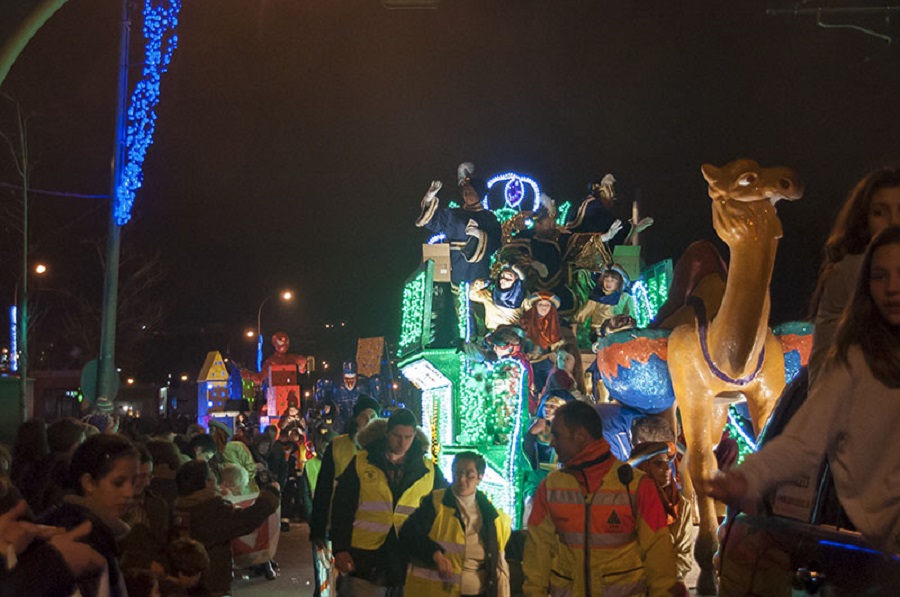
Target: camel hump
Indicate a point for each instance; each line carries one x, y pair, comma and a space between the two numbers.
744, 180
700, 272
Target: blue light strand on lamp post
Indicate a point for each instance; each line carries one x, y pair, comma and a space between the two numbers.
160, 21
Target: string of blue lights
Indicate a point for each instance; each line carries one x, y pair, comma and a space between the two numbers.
160, 21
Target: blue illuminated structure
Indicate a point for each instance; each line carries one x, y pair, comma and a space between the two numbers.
13, 340
514, 191
160, 21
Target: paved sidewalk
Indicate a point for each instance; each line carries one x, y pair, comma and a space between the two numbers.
295, 578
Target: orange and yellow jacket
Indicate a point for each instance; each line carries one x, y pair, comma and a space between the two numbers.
592, 534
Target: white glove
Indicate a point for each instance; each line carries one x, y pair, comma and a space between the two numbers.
643, 224
432, 191
614, 229
472, 228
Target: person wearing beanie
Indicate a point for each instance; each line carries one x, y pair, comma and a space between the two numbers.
335, 460
656, 460
472, 231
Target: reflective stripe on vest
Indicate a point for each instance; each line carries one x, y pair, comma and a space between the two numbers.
447, 531
595, 529
376, 513
576, 540
431, 575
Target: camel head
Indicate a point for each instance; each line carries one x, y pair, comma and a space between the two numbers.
743, 180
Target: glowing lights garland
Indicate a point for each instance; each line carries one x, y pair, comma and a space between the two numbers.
437, 238
746, 444
562, 213
513, 448
657, 280
463, 313
160, 21
471, 404
644, 311
413, 316
514, 191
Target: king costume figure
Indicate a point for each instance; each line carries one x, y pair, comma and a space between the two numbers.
472, 231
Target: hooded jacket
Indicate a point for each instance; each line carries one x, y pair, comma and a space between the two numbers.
380, 565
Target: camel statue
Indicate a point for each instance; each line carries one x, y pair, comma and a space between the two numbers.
720, 347
732, 351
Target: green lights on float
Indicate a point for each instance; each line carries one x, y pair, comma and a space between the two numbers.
415, 324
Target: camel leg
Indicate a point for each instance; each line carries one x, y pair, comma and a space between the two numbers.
697, 421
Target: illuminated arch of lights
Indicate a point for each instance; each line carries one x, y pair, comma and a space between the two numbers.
514, 192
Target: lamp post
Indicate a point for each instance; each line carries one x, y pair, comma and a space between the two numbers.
20, 325
286, 295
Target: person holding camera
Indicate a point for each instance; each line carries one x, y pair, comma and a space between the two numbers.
214, 521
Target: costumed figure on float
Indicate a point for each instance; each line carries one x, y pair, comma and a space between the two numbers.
502, 298
608, 299
472, 231
281, 373
541, 325
344, 396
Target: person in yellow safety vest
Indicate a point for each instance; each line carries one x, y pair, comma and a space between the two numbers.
456, 539
336, 458
382, 486
597, 526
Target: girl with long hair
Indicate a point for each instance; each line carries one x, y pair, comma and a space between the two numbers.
872, 206
850, 416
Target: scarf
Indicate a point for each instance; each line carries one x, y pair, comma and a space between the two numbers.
599, 295
510, 299
543, 331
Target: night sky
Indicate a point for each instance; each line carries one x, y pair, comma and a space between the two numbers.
296, 137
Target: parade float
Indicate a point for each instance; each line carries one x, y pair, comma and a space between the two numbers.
467, 400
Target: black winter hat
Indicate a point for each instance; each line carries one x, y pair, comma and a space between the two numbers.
364, 402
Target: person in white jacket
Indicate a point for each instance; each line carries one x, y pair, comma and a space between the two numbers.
850, 416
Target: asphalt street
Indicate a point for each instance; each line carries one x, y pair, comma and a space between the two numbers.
295, 577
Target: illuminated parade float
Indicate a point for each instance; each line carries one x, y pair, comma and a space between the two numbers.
473, 397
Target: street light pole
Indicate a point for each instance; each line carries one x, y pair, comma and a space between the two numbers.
106, 367
259, 340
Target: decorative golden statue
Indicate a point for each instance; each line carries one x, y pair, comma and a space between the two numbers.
727, 349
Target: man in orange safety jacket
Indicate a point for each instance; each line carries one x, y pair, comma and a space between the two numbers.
597, 527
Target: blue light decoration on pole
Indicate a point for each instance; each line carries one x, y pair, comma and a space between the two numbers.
160, 21
13, 340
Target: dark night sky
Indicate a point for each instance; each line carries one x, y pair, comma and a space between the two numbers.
296, 137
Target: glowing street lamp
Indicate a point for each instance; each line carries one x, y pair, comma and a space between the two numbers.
286, 296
